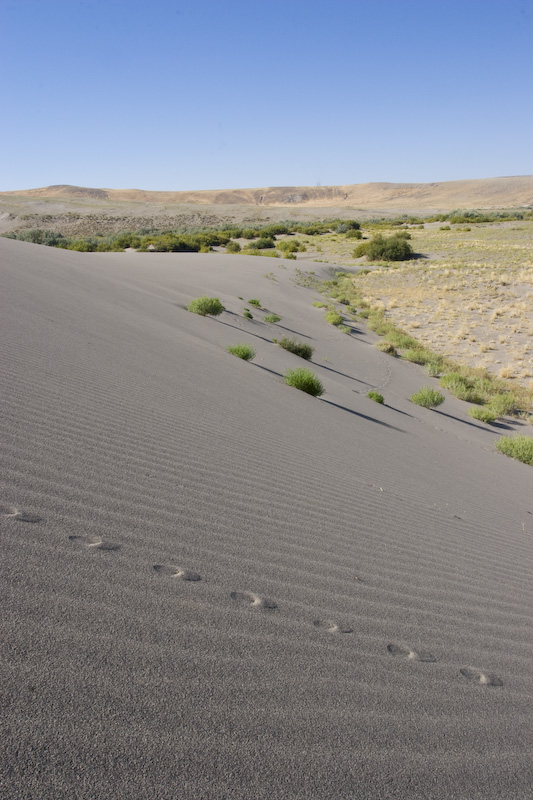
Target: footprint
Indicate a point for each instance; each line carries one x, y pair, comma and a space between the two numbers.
94, 543
484, 678
19, 516
179, 573
331, 627
253, 600
413, 655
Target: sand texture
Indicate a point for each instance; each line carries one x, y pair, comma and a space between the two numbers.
216, 586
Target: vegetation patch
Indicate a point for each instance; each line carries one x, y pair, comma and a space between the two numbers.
333, 317
243, 351
272, 318
255, 302
519, 447
298, 348
427, 397
305, 380
206, 306
376, 396
387, 347
247, 314
483, 414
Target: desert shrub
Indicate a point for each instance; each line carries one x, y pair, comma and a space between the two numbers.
82, 246
204, 248
519, 447
387, 347
291, 256
247, 314
243, 351
305, 380
333, 317
501, 404
427, 397
255, 302
483, 414
344, 328
290, 246
318, 304
233, 247
433, 368
272, 318
376, 396
261, 244
392, 248
298, 348
364, 313
418, 356
353, 234
460, 387
206, 305
445, 228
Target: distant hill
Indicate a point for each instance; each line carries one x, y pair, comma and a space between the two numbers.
510, 192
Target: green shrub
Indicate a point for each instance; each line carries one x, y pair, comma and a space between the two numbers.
501, 404
305, 380
344, 328
298, 348
206, 305
460, 387
261, 244
427, 397
387, 347
233, 247
255, 302
247, 315
392, 248
272, 318
433, 368
318, 304
418, 356
445, 228
333, 317
352, 234
376, 396
519, 447
243, 351
483, 414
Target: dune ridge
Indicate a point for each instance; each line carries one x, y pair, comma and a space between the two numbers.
217, 586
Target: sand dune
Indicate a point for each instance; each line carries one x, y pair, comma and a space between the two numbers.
216, 586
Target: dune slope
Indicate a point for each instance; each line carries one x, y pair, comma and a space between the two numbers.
217, 586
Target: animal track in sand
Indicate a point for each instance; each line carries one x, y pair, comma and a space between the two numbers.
407, 652
484, 678
178, 573
19, 516
94, 543
253, 600
331, 627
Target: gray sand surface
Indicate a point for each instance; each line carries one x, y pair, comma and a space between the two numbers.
216, 586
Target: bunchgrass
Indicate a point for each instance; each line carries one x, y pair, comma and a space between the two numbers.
376, 396
319, 304
255, 302
387, 347
519, 447
305, 380
333, 317
247, 314
206, 306
272, 318
427, 397
243, 351
298, 348
482, 414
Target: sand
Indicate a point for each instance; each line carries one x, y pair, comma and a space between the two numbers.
216, 586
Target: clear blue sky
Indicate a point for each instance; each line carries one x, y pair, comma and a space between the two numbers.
204, 94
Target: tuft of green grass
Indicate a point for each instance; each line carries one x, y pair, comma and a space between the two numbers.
418, 356
206, 305
333, 318
427, 397
519, 447
376, 396
319, 304
433, 368
272, 318
460, 387
305, 380
255, 302
243, 351
247, 314
483, 414
387, 347
298, 348
344, 328
501, 404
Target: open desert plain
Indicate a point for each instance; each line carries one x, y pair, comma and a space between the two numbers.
216, 586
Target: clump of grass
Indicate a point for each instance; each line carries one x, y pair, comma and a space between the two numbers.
501, 404
305, 380
272, 318
460, 387
255, 302
387, 347
298, 348
433, 368
243, 351
519, 447
376, 396
418, 356
483, 414
319, 304
427, 397
206, 305
247, 314
333, 317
